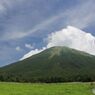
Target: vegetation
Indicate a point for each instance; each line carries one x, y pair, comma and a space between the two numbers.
57, 64
46, 89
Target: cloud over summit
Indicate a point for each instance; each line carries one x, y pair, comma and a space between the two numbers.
74, 38
71, 37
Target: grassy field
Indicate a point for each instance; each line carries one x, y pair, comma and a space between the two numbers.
46, 89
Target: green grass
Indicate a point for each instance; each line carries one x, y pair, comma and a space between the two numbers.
45, 89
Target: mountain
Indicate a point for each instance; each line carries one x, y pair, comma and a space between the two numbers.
56, 64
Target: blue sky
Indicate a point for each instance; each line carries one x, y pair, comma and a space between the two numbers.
24, 24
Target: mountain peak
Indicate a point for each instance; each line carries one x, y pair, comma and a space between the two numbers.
63, 50
55, 63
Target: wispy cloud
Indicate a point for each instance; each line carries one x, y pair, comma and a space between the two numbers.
4, 4
29, 46
13, 35
37, 28
81, 16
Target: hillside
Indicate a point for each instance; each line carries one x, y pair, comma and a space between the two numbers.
56, 64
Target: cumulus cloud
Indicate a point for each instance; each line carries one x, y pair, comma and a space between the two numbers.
29, 46
71, 37
18, 48
32, 52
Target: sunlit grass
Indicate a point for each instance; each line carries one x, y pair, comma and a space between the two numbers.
46, 89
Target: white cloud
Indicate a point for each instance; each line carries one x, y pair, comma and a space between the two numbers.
13, 35
80, 15
70, 37
4, 4
18, 48
32, 52
74, 38
29, 46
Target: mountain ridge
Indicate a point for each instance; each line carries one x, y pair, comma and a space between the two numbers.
64, 48
56, 64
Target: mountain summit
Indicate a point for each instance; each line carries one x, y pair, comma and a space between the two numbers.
56, 64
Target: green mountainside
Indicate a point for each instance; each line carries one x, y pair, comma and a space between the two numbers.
56, 64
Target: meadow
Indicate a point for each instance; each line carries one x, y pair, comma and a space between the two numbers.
46, 89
